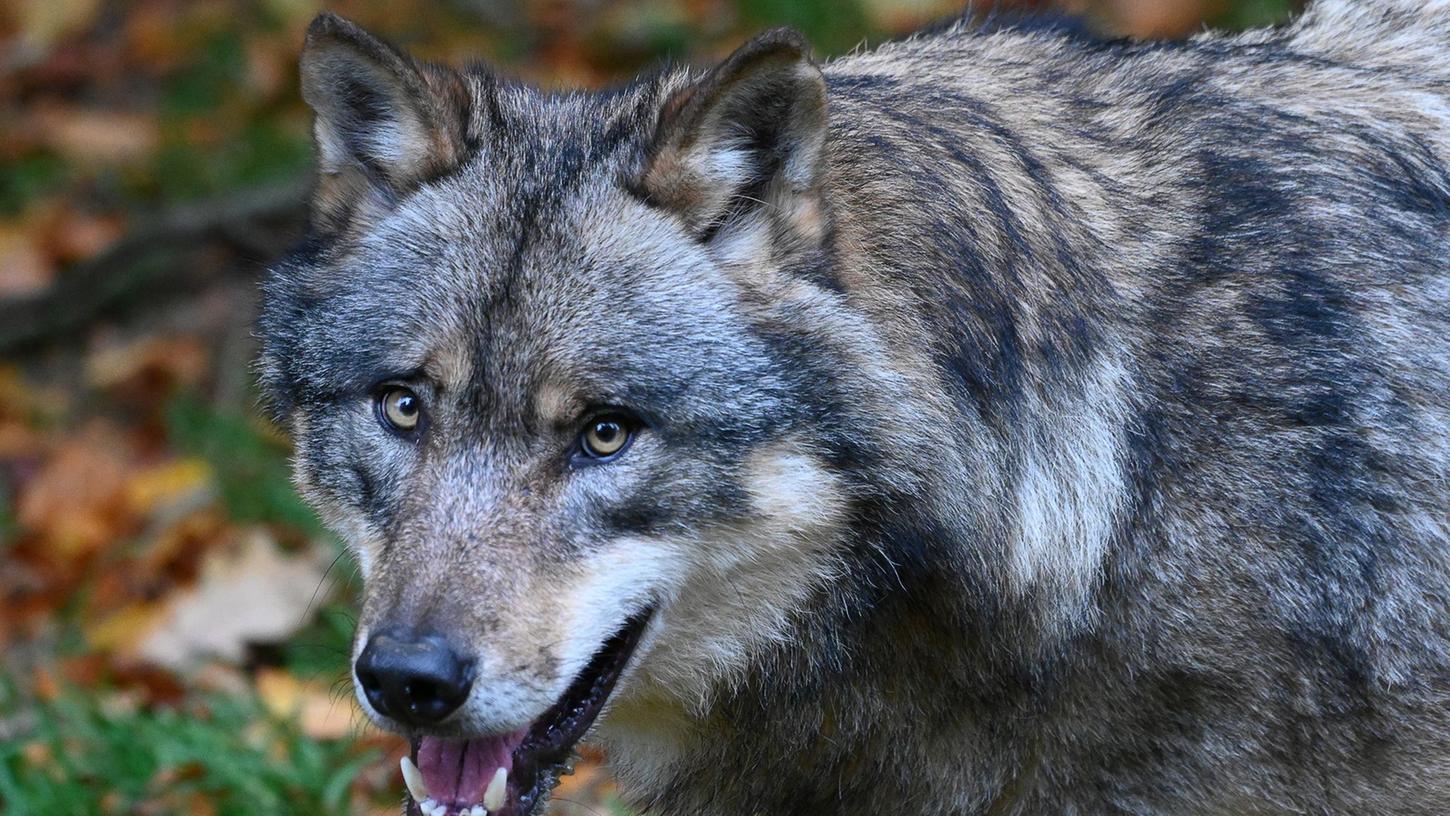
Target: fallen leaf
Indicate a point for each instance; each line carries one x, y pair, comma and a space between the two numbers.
152, 365
317, 710
589, 782
1154, 19
21, 399
24, 268
76, 502
68, 234
19, 440
42, 22
178, 483
248, 593
95, 136
122, 630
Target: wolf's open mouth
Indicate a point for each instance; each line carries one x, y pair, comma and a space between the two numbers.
510, 774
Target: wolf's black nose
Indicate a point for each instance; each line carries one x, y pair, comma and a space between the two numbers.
413, 680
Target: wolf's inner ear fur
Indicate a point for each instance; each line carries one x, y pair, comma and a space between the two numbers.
384, 122
748, 136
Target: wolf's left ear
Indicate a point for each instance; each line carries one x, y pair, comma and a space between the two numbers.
384, 121
748, 136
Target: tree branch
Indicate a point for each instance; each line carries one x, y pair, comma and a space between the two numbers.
153, 258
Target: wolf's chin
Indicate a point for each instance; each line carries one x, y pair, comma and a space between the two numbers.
511, 774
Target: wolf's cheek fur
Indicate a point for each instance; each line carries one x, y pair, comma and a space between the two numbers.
343, 517
725, 589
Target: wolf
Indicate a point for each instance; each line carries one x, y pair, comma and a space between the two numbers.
999, 421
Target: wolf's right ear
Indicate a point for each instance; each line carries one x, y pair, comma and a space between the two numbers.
384, 122
747, 138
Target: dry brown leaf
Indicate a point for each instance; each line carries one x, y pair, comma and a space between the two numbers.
121, 632
1150, 19
42, 22
76, 503
178, 483
176, 553
68, 234
222, 677
269, 64
22, 400
247, 593
319, 712
909, 15
25, 269
94, 136
18, 440
152, 364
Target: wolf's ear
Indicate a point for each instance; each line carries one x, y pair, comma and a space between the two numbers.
384, 122
748, 136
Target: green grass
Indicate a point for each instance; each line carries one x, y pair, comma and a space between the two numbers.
79, 756
30, 177
1253, 14
833, 26
7, 518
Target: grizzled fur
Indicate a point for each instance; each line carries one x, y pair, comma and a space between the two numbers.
1034, 425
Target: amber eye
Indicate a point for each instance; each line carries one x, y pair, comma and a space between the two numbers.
605, 437
399, 409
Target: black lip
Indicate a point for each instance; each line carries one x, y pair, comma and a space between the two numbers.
546, 750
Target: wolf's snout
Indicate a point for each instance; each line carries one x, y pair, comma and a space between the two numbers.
414, 680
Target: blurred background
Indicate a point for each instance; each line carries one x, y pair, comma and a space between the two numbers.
174, 622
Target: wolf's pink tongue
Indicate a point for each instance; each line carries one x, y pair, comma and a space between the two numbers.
458, 771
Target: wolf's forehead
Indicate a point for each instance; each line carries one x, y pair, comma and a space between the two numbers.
521, 286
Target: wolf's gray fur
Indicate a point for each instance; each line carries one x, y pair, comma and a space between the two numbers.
1032, 425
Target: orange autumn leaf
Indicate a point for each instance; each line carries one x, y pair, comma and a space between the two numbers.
76, 502
170, 484
320, 712
124, 630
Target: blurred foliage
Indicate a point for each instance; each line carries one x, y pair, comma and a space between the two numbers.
250, 464
222, 755
1251, 13
176, 623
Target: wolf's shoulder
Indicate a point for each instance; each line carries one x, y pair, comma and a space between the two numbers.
1385, 33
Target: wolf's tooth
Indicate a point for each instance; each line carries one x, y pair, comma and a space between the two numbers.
477, 810
493, 797
426, 806
413, 778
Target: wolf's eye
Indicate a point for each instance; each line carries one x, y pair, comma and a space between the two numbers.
399, 409
606, 437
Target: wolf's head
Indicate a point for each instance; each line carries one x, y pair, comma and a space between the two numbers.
573, 376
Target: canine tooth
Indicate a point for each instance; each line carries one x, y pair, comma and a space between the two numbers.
427, 806
493, 797
413, 778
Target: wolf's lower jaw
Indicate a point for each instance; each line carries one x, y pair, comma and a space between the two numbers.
510, 774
